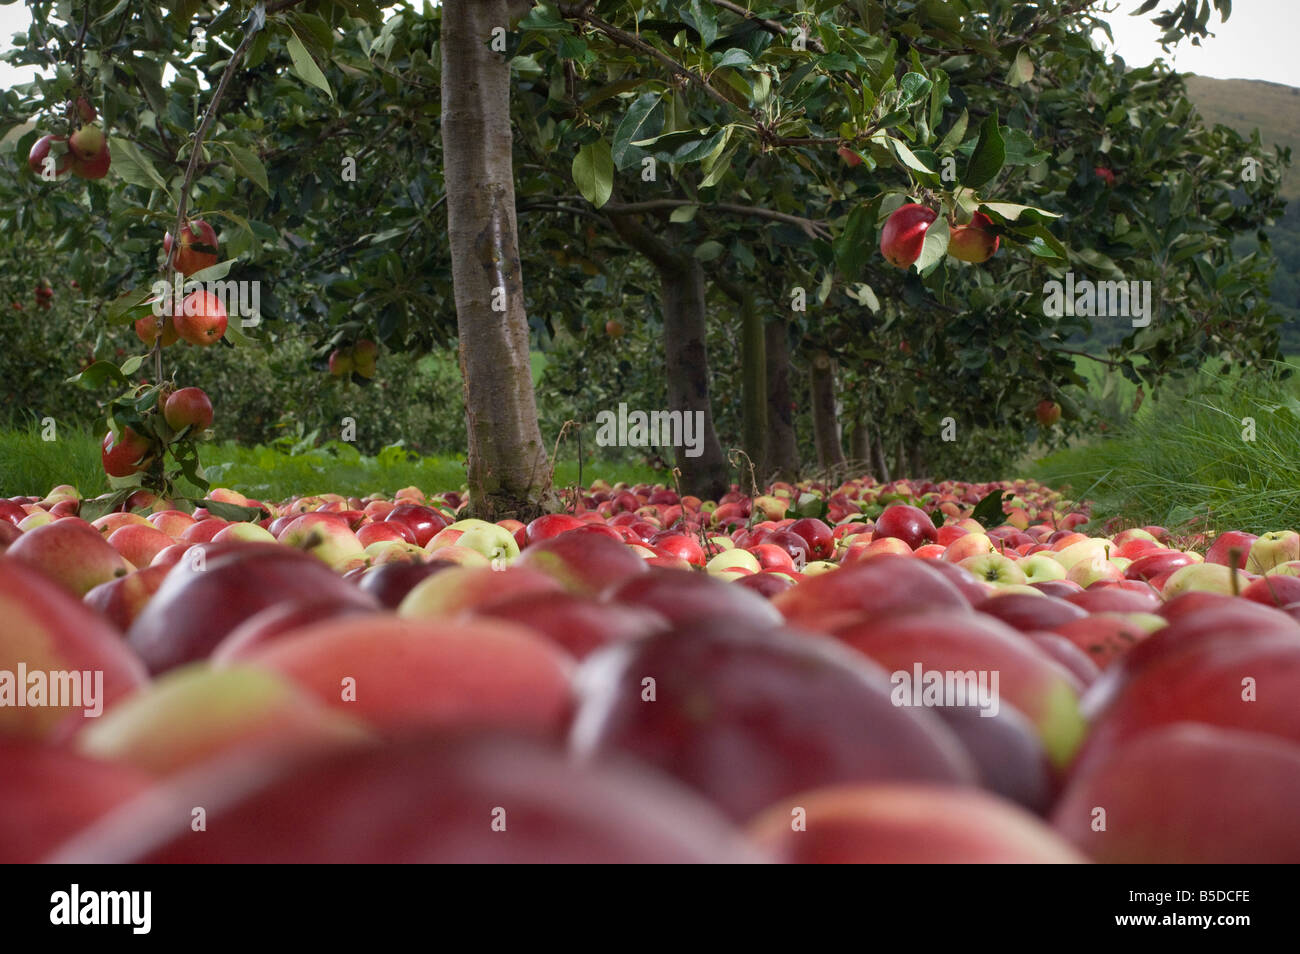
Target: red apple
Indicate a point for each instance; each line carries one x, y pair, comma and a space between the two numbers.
400, 673
41, 150
682, 597
906, 824
51, 794
47, 630
421, 800
1223, 545
748, 715
1221, 797
818, 536
188, 407
551, 525
578, 624
71, 553
974, 242
198, 247
126, 454
1274, 590
200, 602
883, 586
95, 167
583, 560
139, 544
268, 625
903, 236
202, 319
1026, 613
1047, 412
912, 525
423, 522
120, 601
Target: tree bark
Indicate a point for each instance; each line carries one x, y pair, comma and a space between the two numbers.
826, 425
882, 465
753, 363
782, 459
860, 442
686, 357
508, 466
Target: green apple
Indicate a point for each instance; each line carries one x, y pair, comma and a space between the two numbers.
818, 567
733, 559
1206, 578
1273, 549
1090, 549
495, 543
1092, 570
772, 508
994, 568
245, 531
1039, 567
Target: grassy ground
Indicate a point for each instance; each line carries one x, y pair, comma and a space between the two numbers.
1227, 452
31, 466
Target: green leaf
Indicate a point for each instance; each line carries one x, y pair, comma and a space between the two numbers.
130, 163
644, 121
988, 512
232, 512
249, 165
907, 157
956, 134
98, 507
990, 153
912, 89
683, 213
99, 373
708, 251
853, 245
304, 67
593, 172
132, 364
1010, 211
936, 244
125, 302
1022, 69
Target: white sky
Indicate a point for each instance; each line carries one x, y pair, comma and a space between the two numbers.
1257, 42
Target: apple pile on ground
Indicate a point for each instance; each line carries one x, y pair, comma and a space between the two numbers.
646, 677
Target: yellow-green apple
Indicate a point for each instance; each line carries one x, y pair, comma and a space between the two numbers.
452, 591
365, 354
201, 320
1039, 568
903, 236
247, 532
1045, 692
389, 583
402, 673
477, 800
1094, 570
47, 630
215, 587
112, 521
734, 559
910, 524
454, 554
772, 507
198, 248
71, 553
328, 539
906, 824
51, 794
188, 407
578, 624
818, 567
975, 241
197, 713
1207, 577
1273, 549
994, 568
1225, 797
126, 453
749, 714
1088, 548
496, 543
384, 552
120, 601
139, 543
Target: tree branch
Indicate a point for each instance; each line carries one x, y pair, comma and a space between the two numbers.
812, 227
771, 26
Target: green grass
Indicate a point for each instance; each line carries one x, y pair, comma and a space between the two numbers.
1186, 459
31, 466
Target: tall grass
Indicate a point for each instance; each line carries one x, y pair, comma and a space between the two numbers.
30, 466
1197, 459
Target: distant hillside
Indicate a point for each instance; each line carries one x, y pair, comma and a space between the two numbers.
1245, 105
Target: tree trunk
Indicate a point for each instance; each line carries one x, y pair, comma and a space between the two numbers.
508, 467
826, 425
900, 460
753, 363
782, 459
882, 465
860, 442
686, 357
